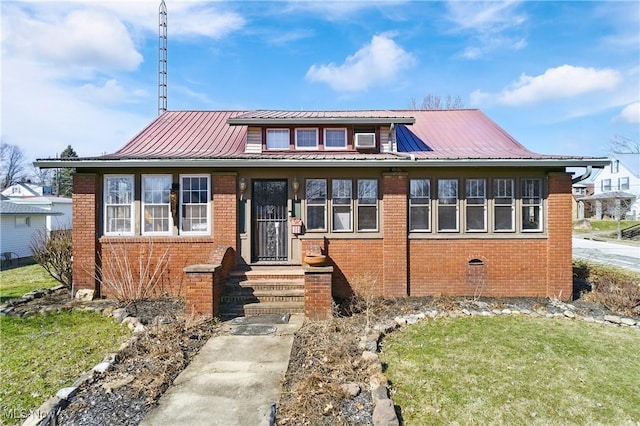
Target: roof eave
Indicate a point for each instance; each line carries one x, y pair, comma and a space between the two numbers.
319, 120
267, 162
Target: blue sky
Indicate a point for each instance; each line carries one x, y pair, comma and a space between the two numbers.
561, 77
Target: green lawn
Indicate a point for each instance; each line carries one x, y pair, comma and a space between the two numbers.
608, 225
18, 281
514, 370
43, 353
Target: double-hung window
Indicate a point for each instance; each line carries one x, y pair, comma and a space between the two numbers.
194, 204
623, 183
316, 193
156, 205
118, 204
277, 138
606, 185
335, 138
531, 190
476, 204
503, 205
367, 205
341, 195
419, 205
448, 205
306, 139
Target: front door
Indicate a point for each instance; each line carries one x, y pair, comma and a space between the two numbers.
269, 220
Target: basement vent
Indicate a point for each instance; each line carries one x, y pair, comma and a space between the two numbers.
476, 262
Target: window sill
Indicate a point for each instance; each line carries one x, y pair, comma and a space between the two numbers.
478, 236
341, 236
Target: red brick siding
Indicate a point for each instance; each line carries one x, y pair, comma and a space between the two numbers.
512, 268
394, 227
225, 203
559, 250
317, 295
83, 234
200, 297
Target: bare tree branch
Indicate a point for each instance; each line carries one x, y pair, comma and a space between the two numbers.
623, 144
12, 165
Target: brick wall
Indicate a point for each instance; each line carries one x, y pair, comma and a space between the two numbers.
83, 233
225, 202
317, 293
394, 227
559, 250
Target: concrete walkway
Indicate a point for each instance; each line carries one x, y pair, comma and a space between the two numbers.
611, 253
233, 380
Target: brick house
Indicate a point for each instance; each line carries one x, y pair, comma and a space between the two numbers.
417, 202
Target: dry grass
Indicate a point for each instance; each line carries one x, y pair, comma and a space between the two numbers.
615, 288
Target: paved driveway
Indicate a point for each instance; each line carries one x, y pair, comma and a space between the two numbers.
614, 254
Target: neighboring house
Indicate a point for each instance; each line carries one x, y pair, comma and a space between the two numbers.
26, 189
61, 205
19, 225
421, 202
620, 180
582, 189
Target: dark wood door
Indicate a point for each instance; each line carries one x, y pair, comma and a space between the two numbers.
269, 218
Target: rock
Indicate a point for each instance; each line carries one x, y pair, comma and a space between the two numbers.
119, 314
43, 411
84, 378
481, 305
378, 393
111, 358
466, 312
139, 328
116, 384
7, 311
432, 314
400, 321
108, 311
58, 287
525, 311
384, 414
386, 327
369, 356
627, 321
412, 319
351, 389
506, 311
588, 319
421, 316
371, 343
486, 314
613, 318
569, 314
67, 393
85, 295
496, 311
377, 379
102, 367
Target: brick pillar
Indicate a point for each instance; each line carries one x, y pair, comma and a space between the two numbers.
317, 292
559, 249
225, 200
84, 232
202, 295
394, 229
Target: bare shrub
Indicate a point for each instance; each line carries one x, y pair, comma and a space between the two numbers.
131, 281
367, 298
53, 251
615, 288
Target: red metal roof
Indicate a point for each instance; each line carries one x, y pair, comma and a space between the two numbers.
454, 134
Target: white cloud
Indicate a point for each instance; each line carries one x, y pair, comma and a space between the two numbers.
111, 92
339, 10
630, 113
378, 62
565, 81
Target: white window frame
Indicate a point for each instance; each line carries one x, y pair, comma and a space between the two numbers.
184, 204
525, 195
476, 192
360, 204
501, 191
316, 204
440, 205
23, 221
306, 129
606, 185
278, 131
334, 204
420, 200
623, 183
335, 148
144, 204
130, 205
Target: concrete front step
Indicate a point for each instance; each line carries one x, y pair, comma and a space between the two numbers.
249, 296
235, 309
265, 284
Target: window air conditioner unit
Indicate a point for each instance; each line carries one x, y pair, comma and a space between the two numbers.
365, 140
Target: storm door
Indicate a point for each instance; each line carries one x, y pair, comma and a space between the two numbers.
269, 220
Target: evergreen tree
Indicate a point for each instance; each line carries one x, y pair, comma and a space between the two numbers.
64, 179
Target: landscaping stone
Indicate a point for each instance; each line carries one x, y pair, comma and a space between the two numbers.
369, 356
378, 393
84, 378
569, 314
102, 367
85, 295
613, 319
627, 321
119, 314
351, 389
67, 393
37, 416
385, 414
386, 327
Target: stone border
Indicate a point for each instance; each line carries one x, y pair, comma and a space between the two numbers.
384, 413
48, 412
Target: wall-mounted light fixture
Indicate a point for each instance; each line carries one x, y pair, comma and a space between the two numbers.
242, 186
295, 186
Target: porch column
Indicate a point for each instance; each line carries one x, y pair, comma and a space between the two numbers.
225, 201
84, 232
559, 245
395, 238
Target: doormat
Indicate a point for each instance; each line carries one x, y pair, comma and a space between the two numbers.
253, 330
262, 319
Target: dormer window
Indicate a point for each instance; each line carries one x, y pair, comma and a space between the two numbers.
277, 138
335, 138
306, 138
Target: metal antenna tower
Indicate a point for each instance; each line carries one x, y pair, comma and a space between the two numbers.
162, 59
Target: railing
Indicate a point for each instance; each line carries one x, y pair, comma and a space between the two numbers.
630, 232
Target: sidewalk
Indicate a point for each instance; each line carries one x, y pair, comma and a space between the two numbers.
234, 379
